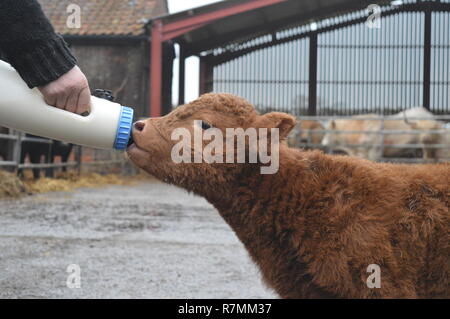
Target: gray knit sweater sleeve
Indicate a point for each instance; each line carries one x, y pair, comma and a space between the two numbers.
30, 44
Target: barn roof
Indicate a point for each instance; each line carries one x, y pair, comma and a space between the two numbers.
105, 17
250, 24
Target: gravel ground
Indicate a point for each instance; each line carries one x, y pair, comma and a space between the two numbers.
150, 240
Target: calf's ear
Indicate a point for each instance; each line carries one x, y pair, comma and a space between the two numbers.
284, 122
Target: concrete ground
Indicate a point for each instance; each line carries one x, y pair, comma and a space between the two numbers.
150, 240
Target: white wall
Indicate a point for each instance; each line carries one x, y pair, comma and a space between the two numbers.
192, 63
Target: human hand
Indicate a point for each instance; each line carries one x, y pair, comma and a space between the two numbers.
70, 92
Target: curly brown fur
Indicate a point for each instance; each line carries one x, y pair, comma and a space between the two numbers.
315, 226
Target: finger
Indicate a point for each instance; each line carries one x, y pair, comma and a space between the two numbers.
84, 101
49, 98
72, 102
61, 101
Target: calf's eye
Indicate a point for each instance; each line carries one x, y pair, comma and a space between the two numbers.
205, 125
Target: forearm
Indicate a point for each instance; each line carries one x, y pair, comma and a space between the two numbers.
30, 43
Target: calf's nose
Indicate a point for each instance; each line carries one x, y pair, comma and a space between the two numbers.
139, 126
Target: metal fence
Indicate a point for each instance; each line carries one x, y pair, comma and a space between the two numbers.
416, 145
340, 66
82, 158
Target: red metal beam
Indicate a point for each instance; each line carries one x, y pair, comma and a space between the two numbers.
156, 70
163, 32
173, 34
199, 21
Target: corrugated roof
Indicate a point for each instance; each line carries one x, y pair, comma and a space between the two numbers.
104, 17
252, 24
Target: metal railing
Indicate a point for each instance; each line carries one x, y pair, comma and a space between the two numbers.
338, 65
334, 140
96, 158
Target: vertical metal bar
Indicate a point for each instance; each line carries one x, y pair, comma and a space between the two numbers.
381, 139
410, 59
385, 54
297, 74
78, 158
371, 63
256, 75
181, 76
249, 77
312, 95
249, 67
438, 63
227, 84
446, 17
271, 77
206, 76
202, 76
390, 65
427, 59
344, 63
282, 77
293, 73
322, 66
156, 69
338, 74
352, 72
401, 62
377, 78
360, 66
266, 76
17, 149
397, 63
260, 77
217, 76
440, 42
434, 64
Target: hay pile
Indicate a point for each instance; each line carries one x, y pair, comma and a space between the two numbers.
70, 181
11, 185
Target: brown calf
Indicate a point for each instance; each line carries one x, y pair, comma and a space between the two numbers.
315, 226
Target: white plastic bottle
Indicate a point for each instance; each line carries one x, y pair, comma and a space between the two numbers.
108, 126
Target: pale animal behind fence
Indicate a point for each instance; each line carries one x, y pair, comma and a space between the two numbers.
380, 138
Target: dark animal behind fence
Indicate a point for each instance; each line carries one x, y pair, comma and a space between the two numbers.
4, 144
49, 151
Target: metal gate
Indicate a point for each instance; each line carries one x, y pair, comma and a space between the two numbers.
339, 66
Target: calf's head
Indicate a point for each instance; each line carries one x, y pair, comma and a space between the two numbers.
193, 146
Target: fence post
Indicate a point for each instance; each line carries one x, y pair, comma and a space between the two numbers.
181, 76
78, 158
312, 95
206, 76
427, 59
381, 151
17, 150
